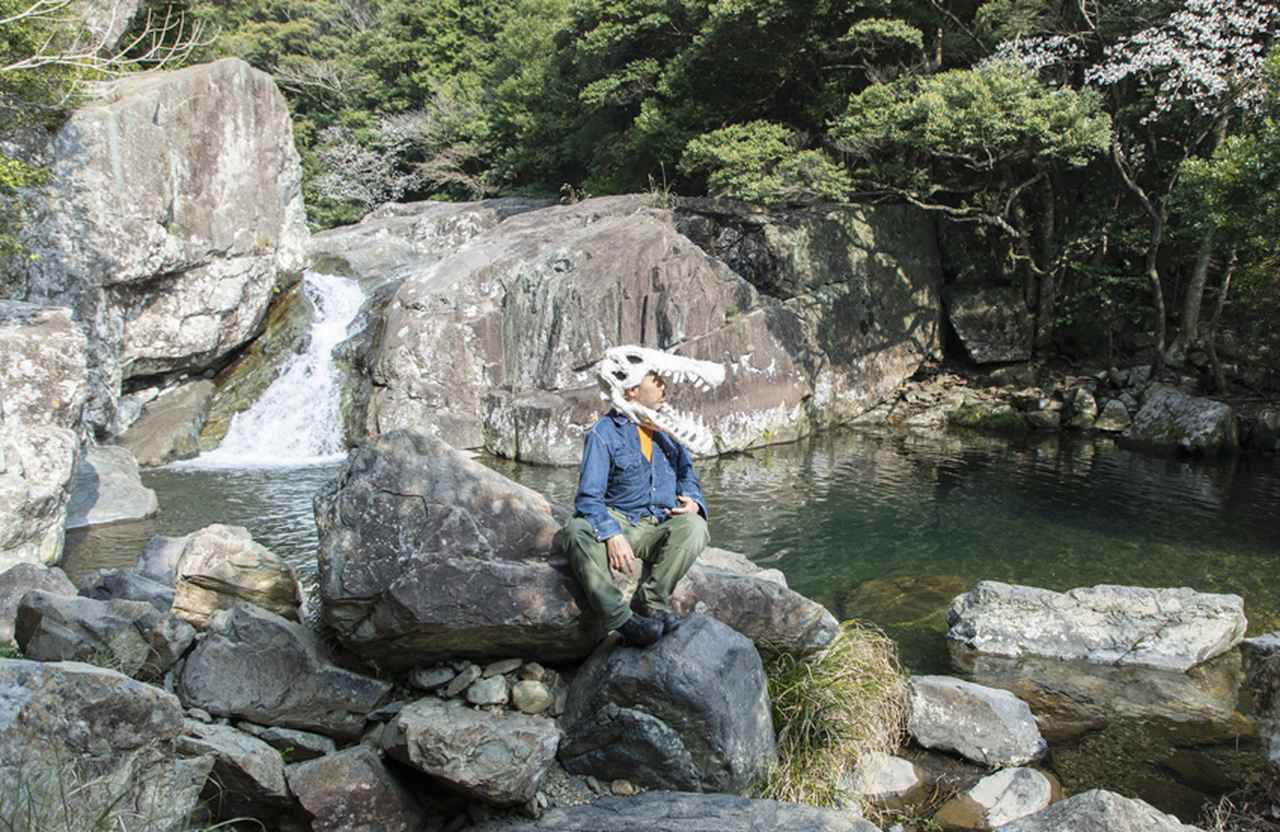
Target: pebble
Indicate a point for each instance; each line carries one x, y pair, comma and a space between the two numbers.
430, 678
533, 672
500, 667
531, 697
623, 788
463, 680
490, 691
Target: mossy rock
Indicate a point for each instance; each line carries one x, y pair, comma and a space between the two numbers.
998, 418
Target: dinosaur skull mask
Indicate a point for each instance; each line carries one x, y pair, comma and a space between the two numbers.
623, 368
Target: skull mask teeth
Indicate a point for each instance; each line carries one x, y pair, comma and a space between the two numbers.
623, 368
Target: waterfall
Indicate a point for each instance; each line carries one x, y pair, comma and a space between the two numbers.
297, 419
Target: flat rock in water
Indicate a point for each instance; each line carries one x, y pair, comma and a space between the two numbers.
989, 726
691, 712
495, 758
107, 489
355, 790
685, 812
17, 581
1174, 629
255, 665
130, 636
1099, 811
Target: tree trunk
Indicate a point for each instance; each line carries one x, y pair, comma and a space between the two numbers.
1157, 291
1189, 331
1220, 377
1047, 297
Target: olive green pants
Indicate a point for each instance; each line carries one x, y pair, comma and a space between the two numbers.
666, 551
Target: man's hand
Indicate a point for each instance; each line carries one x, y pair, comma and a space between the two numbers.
621, 559
684, 505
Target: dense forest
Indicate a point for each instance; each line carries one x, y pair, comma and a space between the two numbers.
1117, 159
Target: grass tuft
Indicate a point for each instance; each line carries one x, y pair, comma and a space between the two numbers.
830, 709
1252, 808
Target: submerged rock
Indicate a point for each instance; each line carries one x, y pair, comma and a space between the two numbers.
255, 665
1169, 628
989, 726
689, 713
1172, 420
496, 758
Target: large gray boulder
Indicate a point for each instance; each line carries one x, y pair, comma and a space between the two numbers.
355, 791
1168, 628
169, 426
36, 466
663, 811
172, 210
525, 308
762, 610
409, 516
495, 758
989, 726
222, 566
67, 724
1099, 811
107, 489
130, 636
1172, 420
248, 774
42, 366
17, 581
992, 321
257, 666
690, 713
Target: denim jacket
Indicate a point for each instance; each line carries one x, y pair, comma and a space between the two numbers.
615, 474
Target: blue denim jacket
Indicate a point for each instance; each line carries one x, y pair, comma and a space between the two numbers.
615, 474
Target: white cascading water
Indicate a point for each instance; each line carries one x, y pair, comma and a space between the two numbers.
297, 420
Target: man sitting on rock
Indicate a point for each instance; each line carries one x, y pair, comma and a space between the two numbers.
638, 496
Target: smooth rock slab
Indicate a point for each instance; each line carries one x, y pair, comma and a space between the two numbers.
998, 799
248, 773
17, 581
130, 636
989, 726
689, 713
354, 791
257, 666
1174, 629
107, 489
1099, 811
222, 566
684, 812
495, 758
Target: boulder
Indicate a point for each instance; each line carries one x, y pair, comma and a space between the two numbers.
17, 581
238, 385
399, 237
690, 713
129, 636
43, 375
1261, 665
762, 610
68, 723
169, 427
106, 488
410, 515
36, 465
355, 791
255, 665
471, 344
489, 691
172, 209
1114, 417
126, 585
885, 780
1172, 420
1169, 628
248, 775
663, 811
992, 322
1099, 811
106, 21
530, 697
222, 566
497, 758
1082, 409
998, 799
989, 726
294, 746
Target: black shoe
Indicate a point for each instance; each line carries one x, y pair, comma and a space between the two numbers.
640, 631
669, 620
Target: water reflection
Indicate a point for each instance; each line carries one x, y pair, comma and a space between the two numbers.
857, 520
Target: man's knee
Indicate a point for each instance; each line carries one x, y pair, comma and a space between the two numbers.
579, 534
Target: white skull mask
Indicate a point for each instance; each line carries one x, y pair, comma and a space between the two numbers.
623, 368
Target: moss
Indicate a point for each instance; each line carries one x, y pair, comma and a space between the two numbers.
992, 419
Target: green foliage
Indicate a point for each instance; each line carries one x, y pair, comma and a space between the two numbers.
762, 162
831, 708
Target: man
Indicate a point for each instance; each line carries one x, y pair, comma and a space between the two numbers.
639, 506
